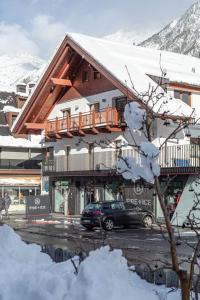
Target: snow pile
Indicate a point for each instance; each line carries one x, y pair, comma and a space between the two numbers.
134, 115
26, 273
145, 166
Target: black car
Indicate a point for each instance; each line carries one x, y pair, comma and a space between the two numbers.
114, 213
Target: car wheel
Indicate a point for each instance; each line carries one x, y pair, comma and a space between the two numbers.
108, 224
147, 221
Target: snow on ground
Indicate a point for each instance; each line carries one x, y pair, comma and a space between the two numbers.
26, 273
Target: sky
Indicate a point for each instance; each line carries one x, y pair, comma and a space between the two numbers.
37, 26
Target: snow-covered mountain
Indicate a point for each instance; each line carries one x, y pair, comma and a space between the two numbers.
181, 35
19, 68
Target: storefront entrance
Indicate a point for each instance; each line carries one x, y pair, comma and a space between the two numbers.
71, 196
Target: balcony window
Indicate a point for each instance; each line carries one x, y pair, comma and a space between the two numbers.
66, 112
94, 107
184, 96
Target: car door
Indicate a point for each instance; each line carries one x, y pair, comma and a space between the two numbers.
118, 213
134, 214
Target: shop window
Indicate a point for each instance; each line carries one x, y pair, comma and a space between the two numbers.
184, 96
85, 76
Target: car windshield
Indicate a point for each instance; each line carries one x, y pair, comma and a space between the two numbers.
93, 206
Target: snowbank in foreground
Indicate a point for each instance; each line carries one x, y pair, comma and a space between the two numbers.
28, 274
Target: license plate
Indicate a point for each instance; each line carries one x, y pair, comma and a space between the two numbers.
86, 221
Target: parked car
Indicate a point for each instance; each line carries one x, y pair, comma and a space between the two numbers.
115, 213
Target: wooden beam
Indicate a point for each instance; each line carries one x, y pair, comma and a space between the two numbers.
95, 131
61, 82
57, 136
35, 126
47, 104
81, 132
113, 129
67, 134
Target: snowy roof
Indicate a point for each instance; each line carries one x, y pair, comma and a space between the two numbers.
9, 108
115, 58
179, 67
10, 141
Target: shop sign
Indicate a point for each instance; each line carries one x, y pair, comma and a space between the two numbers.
37, 206
139, 196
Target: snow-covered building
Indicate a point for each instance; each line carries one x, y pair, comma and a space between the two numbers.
20, 157
78, 105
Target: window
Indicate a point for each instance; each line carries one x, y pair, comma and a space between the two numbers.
94, 107
184, 96
117, 206
66, 112
85, 77
97, 75
14, 117
119, 103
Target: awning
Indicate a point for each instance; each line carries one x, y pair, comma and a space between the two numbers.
20, 181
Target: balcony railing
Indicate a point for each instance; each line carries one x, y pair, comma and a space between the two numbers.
180, 156
183, 156
19, 164
84, 121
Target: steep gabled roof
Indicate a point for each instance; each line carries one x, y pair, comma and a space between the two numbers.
121, 64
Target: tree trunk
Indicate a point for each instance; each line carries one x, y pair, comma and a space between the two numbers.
185, 288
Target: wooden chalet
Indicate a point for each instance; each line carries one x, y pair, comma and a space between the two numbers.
79, 102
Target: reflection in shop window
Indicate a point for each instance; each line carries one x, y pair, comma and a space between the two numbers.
18, 193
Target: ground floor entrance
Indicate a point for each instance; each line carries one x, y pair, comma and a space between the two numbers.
69, 195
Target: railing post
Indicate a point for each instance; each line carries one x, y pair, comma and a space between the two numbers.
68, 122
46, 128
56, 124
107, 115
80, 120
115, 116
93, 119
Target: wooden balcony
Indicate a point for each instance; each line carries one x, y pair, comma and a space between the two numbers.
91, 122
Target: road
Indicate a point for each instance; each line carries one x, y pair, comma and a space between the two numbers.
139, 245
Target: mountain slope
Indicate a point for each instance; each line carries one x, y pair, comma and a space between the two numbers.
14, 69
181, 36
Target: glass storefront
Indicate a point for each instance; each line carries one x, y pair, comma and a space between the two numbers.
60, 195
18, 193
172, 194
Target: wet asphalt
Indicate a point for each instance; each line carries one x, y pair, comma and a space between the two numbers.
138, 244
